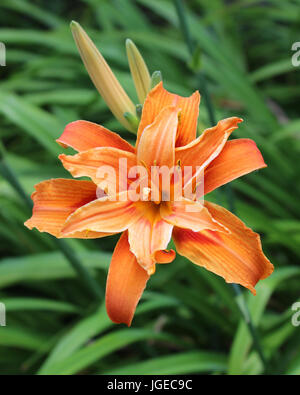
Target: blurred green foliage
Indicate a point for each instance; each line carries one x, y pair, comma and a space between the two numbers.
188, 320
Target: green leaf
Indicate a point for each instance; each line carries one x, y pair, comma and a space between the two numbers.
25, 304
47, 266
36, 122
100, 348
257, 304
180, 363
21, 337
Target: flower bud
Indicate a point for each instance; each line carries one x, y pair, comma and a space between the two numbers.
103, 78
139, 71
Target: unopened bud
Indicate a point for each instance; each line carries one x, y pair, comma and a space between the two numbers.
102, 76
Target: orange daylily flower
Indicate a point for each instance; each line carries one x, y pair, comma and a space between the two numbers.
208, 235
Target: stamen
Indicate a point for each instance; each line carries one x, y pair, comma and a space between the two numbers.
144, 164
179, 117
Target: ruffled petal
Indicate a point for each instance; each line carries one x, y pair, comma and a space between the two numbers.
148, 235
107, 167
238, 157
104, 215
158, 99
190, 215
54, 200
126, 282
200, 152
157, 143
236, 256
84, 135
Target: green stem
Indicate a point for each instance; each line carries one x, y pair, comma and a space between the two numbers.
91, 284
241, 302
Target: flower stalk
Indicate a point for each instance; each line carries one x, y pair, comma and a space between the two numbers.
133, 120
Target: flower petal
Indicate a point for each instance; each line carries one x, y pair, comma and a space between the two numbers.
157, 143
190, 215
148, 235
104, 215
236, 256
158, 99
126, 282
238, 157
108, 165
165, 256
84, 135
54, 200
200, 152
206, 147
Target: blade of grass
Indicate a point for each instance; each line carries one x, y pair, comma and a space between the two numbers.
183, 363
102, 347
23, 304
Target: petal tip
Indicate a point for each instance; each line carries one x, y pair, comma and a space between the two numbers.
114, 318
63, 145
252, 290
74, 25
28, 224
165, 256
